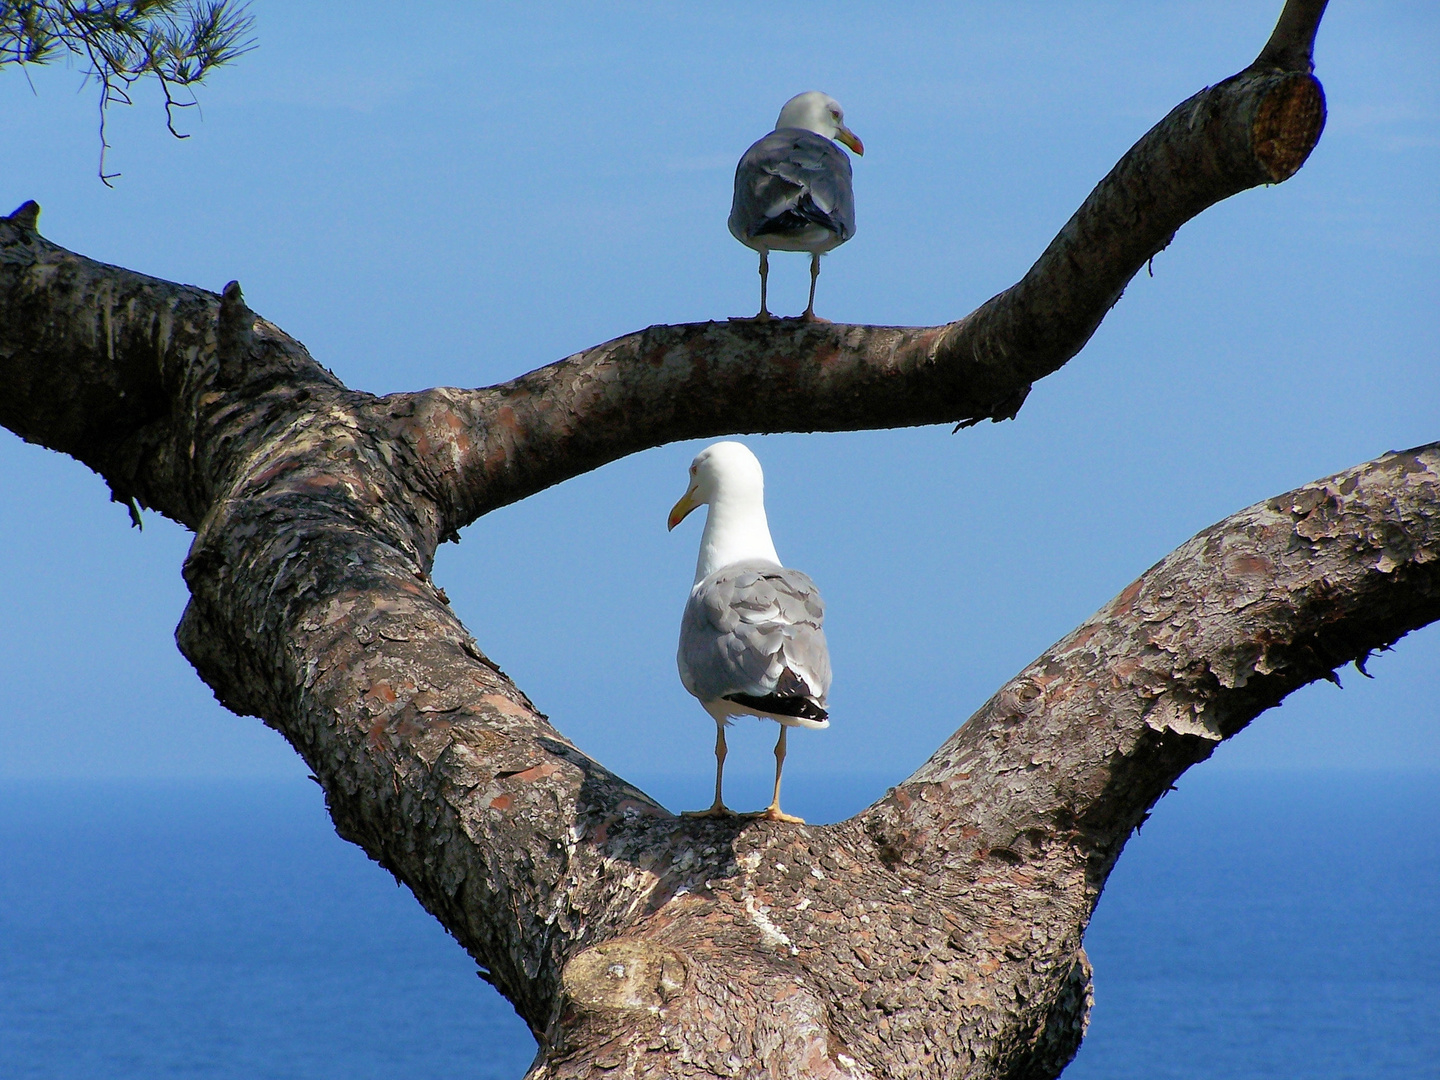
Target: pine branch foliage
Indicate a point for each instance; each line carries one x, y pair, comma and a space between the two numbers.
121, 42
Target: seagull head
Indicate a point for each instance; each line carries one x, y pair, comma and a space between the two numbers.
820, 113
723, 470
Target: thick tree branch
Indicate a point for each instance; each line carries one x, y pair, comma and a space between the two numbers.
1254, 607
675, 382
132, 375
485, 448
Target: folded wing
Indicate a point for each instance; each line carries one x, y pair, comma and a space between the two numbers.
788, 184
752, 635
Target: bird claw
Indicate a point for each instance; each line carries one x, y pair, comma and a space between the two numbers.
810, 316
719, 810
762, 317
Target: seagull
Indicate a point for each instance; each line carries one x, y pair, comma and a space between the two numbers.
792, 188
751, 642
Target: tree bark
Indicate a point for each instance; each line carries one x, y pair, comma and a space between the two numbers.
939, 932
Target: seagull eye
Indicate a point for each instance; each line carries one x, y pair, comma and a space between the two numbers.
835, 113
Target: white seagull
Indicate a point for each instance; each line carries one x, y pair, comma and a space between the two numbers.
751, 642
792, 188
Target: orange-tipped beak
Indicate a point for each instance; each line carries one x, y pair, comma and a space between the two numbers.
681, 509
850, 139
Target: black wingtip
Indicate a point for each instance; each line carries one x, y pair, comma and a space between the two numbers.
789, 222
781, 705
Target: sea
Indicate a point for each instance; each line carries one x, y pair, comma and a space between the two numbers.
1260, 925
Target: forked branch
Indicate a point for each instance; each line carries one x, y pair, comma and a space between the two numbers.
938, 933
675, 382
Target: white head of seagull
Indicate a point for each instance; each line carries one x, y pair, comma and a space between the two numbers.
820, 113
727, 477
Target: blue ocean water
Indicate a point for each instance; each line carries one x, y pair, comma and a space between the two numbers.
1261, 925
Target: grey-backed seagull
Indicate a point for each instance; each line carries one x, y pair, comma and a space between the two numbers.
751, 639
792, 188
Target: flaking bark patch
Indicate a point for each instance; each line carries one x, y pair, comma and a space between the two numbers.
625, 974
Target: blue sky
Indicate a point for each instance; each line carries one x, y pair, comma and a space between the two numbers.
485, 189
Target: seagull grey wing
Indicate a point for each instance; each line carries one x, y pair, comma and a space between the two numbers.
753, 630
789, 180
822, 169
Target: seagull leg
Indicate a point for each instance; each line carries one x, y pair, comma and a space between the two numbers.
720, 752
809, 315
773, 811
764, 278
718, 808
764, 313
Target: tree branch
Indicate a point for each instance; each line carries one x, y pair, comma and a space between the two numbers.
676, 382
124, 42
1292, 43
1080, 744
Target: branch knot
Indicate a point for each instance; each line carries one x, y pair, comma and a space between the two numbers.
26, 216
234, 334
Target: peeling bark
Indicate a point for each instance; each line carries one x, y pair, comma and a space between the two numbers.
938, 933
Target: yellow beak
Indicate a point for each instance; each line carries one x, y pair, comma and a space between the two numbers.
850, 139
682, 508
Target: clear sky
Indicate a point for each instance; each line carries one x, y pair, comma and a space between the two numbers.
483, 189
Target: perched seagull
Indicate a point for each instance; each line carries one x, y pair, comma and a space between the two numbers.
792, 188
751, 642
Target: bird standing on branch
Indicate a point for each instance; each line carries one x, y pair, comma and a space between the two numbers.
792, 188
751, 642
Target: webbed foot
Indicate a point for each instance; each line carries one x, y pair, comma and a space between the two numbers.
774, 813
